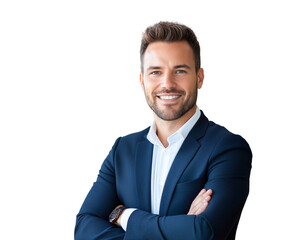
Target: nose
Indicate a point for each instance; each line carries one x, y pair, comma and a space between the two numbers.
168, 80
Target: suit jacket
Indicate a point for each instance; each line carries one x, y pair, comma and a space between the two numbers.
211, 157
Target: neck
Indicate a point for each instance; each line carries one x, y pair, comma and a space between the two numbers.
167, 128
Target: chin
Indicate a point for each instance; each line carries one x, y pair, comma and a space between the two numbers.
169, 115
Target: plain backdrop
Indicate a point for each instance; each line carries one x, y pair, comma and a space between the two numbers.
69, 86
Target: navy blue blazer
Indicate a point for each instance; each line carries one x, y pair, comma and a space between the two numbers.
211, 157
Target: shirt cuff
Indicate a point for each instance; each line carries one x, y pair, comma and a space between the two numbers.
125, 217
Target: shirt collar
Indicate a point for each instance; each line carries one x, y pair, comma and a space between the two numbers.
180, 134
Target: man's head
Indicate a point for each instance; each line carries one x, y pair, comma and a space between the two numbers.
170, 32
170, 73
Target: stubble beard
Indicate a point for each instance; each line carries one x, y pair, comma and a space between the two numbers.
169, 113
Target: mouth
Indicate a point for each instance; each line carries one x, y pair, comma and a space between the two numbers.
168, 97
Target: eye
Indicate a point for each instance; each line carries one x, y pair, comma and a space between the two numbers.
180, 71
155, 73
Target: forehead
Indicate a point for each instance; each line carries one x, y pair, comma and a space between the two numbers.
168, 54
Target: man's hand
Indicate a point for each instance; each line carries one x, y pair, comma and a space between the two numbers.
201, 202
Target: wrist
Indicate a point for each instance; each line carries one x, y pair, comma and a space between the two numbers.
119, 222
125, 216
115, 215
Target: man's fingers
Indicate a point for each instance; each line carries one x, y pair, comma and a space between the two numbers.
209, 192
201, 207
201, 192
200, 203
199, 197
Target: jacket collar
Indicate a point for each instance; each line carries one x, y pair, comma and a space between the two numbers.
186, 153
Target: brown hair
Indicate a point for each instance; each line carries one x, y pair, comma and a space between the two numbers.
170, 32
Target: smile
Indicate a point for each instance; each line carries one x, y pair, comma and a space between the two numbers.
168, 97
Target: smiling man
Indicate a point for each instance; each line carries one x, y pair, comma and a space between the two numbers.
184, 177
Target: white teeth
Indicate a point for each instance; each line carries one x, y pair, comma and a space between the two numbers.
168, 97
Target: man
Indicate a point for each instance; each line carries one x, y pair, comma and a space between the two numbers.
153, 183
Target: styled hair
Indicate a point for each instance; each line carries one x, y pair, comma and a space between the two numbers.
170, 32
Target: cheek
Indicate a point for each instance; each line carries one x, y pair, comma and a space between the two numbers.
147, 90
150, 86
189, 87
151, 82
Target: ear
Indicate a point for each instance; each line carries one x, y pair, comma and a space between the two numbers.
200, 78
141, 80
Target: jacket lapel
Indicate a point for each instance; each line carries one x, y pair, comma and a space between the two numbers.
186, 153
143, 174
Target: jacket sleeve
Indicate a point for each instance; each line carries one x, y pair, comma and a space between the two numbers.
228, 177
92, 220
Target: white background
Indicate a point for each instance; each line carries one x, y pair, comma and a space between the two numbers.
69, 73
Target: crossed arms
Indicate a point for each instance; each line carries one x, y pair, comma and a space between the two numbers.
227, 175
199, 204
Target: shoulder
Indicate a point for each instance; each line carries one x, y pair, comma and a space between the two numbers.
231, 152
135, 137
130, 141
220, 138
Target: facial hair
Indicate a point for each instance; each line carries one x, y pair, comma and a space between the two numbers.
169, 113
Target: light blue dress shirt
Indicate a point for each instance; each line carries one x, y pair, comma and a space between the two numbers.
162, 159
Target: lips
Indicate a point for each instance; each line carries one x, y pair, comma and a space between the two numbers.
169, 94
168, 97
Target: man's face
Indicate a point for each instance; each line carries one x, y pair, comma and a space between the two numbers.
169, 79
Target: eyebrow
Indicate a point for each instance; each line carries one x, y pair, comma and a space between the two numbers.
153, 68
182, 66
175, 67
